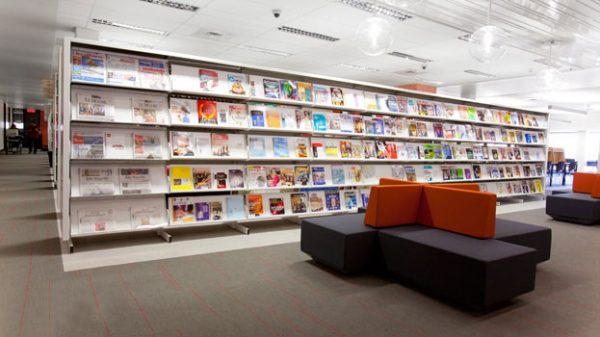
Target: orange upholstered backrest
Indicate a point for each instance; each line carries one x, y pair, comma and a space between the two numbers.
584, 182
393, 205
394, 181
466, 212
424, 211
596, 189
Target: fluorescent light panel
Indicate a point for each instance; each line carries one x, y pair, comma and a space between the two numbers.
357, 67
264, 50
479, 73
173, 4
410, 57
561, 109
127, 26
306, 33
376, 9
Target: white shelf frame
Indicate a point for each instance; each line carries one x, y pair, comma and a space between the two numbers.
62, 147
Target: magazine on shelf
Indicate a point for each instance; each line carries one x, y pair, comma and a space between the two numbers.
183, 111
333, 122
96, 181
256, 176
236, 178
320, 175
271, 88
87, 146
88, 66
220, 144
208, 113
147, 216
273, 117
346, 148
302, 147
273, 176
182, 211
208, 79
118, 145
338, 175
153, 74
354, 98
316, 200
235, 207
298, 203
216, 210
305, 91
346, 123
304, 119
255, 205
220, 178
135, 180
183, 144
181, 178
380, 149
288, 118
288, 177
281, 147
332, 200
257, 146
236, 83
318, 149
146, 146
350, 199
369, 151
302, 175
201, 178
332, 148
276, 205
121, 70
94, 220
322, 94
288, 89
202, 211
237, 114
257, 116
320, 121
95, 107
149, 110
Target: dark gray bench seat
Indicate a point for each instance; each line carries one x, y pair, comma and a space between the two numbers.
579, 208
536, 237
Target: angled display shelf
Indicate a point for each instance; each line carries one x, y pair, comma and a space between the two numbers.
156, 140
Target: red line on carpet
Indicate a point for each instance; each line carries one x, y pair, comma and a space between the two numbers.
26, 293
137, 303
49, 308
97, 303
205, 302
169, 277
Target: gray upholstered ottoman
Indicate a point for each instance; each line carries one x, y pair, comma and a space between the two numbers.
341, 242
536, 237
574, 207
470, 272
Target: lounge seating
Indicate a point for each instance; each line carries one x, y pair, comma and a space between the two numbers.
582, 206
440, 238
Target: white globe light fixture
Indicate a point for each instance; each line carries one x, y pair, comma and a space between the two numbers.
488, 43
549, 77
374, 36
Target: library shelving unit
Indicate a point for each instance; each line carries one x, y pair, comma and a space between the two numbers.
155, 141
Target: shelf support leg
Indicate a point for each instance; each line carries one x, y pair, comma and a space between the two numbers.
239, 227
164, 235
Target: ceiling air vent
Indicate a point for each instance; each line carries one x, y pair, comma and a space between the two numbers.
371, 7
479, 73
126, 26
410, 72
173, 4
410, 57
313, 35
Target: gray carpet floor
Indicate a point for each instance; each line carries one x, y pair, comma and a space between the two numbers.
269, 291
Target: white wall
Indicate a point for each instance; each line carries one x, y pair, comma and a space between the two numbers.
2, 125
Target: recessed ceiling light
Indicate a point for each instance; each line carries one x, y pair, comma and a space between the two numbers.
264, 50
173, 4
126, 43
410, 57
466, 37
479, 73
376, 9
357, 67
126, 26
313, 35
566, 110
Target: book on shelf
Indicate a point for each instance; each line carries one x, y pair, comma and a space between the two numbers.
92, 220
95, 107
121, 70
147, 216
182, 211
149, 110
135, 180
88, 66
87, 145
288, 89
146, 146
118, 145
183, 111
235, 207
96, 181
298, 203
153, 74
255, 205
305, 91
181, 178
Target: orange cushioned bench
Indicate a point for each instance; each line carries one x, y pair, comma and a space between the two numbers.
582, 206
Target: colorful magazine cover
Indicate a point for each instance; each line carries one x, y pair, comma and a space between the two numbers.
88, 66
298, 201
220, 179
183, 211
207, 112
302, 175
255, 204
318, 175
304, 119
258, 118
271, 88
316, 200
276, 206
305, 93
337, 96
202, 211
338, 175
153, 74
322, 94
332, 200
273, 118
257, 146
121, 70
320, 121
236, 178
183, 111
288, 89
202, 178
236, 83
220, 144
209, 79
280, 147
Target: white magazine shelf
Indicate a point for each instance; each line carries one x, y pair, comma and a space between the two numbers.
157, 140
